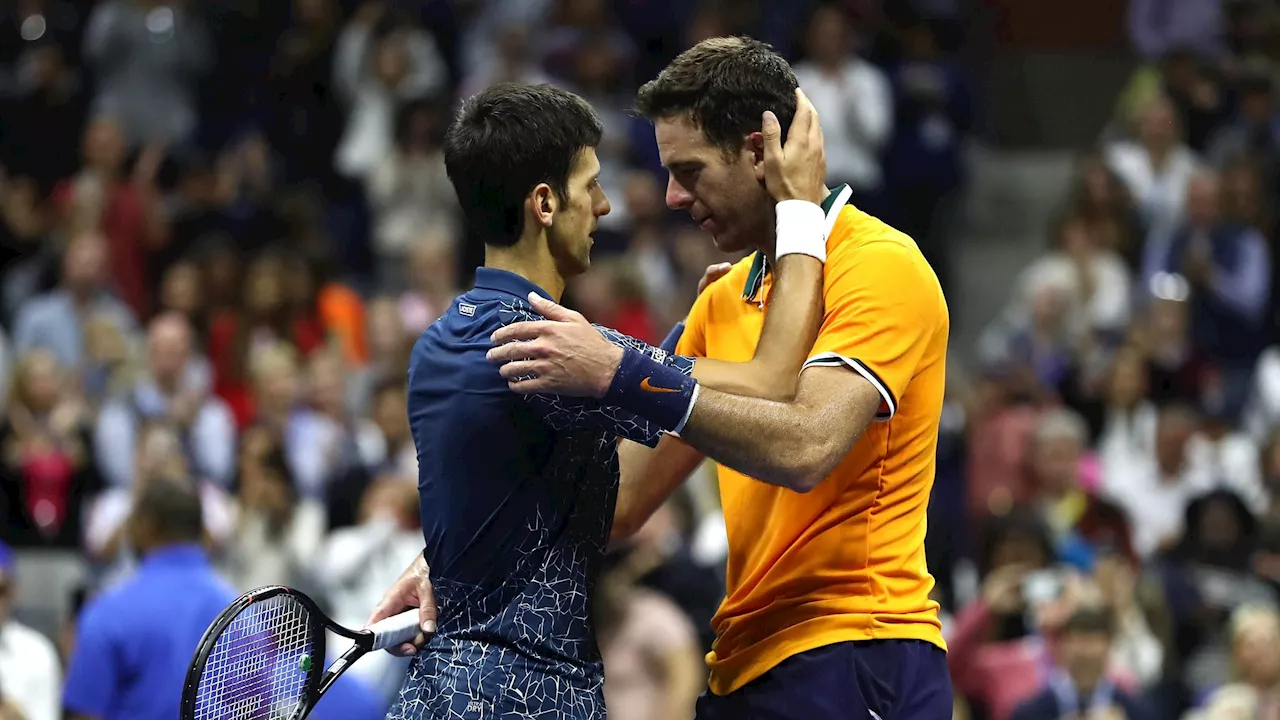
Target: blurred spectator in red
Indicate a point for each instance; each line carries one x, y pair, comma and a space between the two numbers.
126, 209
263, 319
846, 87
47, 471
316, 299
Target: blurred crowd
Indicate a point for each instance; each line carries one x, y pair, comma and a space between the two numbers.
222, 226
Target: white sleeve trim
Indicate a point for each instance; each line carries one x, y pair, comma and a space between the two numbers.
830, 359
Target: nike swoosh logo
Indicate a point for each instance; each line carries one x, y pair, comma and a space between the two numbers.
650, 387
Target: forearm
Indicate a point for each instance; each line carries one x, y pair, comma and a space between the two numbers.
780, 443
649, 476
790, 327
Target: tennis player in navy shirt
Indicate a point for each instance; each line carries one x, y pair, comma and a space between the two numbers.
518, 491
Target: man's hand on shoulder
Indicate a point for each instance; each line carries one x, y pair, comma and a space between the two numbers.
563, 354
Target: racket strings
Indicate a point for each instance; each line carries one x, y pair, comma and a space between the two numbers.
259, 666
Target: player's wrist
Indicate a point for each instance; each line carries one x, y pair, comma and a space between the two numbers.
801, 230
659, 393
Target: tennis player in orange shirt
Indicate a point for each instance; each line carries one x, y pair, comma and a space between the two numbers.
827, 613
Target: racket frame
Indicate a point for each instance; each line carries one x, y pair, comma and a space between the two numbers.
319, 678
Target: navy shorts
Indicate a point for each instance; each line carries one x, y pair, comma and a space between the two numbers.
862, 680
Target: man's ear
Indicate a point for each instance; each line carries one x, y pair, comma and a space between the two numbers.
542, 202
754, 144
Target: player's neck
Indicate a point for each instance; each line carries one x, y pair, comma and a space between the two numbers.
538, 268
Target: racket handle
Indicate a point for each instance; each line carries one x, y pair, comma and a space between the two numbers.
395, 630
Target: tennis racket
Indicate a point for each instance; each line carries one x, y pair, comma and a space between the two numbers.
263, 657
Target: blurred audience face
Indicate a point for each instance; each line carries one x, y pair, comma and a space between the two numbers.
389, 415
274, 371
385, 330
181, 290
391, 60
391, 499
1056, 460
168, 348
1084, 655
1241, 191
158, 455
1256, 646
1204, 200
1127, 385
328, 387
264, 287
433, 264
1075, 237
1174, 429
1100, 190
722, 191
1257, 107
1219, 525
104, 146
38, 382
1158, 125
642, 196
84, 266
220, 277
829, 37
313, 13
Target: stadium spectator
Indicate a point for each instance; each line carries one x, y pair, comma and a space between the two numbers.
48, 475
1079, 683
174, 389
147, 57
30, 674
857, 94
55, 321
1156, 167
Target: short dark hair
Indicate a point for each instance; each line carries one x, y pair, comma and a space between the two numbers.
172, 508
506, 140
723, 85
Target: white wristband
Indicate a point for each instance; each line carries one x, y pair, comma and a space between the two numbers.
693, 400
802, 228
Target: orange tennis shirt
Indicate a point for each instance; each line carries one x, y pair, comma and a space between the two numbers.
845, 561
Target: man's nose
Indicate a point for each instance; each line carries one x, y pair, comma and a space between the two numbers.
677, 196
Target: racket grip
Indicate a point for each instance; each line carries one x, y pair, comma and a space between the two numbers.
395, 630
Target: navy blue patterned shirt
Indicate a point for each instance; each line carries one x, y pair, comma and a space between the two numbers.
517, 494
